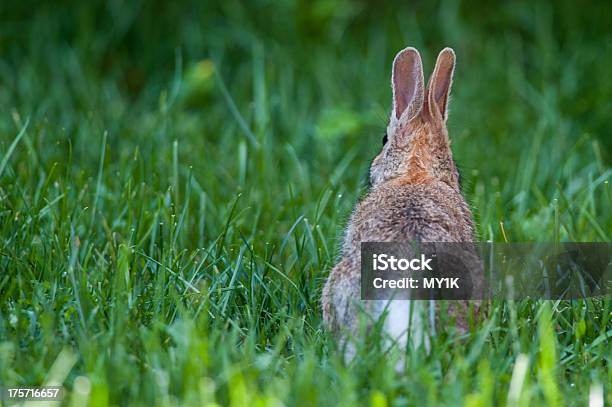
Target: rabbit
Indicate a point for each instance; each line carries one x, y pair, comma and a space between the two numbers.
414, 195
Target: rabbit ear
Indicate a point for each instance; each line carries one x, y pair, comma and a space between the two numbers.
440, 83
407, 82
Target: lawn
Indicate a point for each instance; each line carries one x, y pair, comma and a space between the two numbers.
174, 179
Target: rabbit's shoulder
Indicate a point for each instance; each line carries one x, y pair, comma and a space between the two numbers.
428, 212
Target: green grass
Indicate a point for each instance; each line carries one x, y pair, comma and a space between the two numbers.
174, 179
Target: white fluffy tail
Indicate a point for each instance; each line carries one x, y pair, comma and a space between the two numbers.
410, 320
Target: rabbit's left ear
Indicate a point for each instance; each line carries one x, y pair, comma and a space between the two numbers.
407, 82
440, 84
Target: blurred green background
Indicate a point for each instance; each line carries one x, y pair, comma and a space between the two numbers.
174, 177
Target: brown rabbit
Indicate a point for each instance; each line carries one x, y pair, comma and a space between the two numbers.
414, 196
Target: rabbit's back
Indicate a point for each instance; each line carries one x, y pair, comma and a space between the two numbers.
393, 212
400, 212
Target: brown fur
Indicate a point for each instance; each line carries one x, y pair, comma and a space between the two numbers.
415, 193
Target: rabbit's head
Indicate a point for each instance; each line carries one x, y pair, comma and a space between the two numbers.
416, 146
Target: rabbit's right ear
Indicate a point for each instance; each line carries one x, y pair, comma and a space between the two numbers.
440, 84
407, 82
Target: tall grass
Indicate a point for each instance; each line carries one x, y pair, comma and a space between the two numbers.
174, 177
